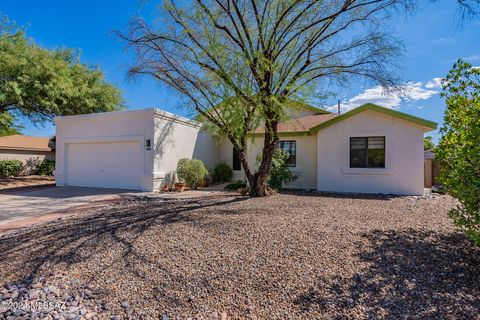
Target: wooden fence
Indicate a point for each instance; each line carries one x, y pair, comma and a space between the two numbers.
431, 173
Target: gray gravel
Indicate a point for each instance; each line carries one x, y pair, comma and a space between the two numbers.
298, 255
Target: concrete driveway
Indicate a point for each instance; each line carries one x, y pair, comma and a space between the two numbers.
24, 208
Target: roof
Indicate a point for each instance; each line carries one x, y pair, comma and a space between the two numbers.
310, 124
21, 142
299, 125
299, 105
429, 125
289, 104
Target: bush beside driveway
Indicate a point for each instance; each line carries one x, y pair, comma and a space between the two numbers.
285, 256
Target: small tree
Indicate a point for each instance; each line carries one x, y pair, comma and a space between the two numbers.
428, 143
459, 147
238, 62
39, 84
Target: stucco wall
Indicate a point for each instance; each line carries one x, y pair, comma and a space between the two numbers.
305, 163
30, 159
177, 138
403, 172
171, 138
131, 125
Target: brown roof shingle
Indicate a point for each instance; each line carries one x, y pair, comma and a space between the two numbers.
303, 124
21, 142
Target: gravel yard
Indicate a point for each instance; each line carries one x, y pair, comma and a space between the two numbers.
288, 256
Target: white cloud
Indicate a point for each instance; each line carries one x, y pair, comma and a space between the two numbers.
417, 91
375, 95
434, 83
412, 91
472, 58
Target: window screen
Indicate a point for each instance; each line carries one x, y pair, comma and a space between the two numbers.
289, 147
236, 165
367, 152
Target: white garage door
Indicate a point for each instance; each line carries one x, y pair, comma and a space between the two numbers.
106, 165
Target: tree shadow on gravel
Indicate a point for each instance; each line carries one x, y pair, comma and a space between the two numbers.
411, 273
77, 238
340, 195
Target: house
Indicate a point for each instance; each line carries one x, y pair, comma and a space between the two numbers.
369, 149
30, 150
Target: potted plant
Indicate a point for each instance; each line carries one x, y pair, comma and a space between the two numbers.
191, 173
182, 173
179, 186
165, 188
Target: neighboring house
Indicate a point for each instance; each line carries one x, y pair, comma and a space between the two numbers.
369, 149
30, 150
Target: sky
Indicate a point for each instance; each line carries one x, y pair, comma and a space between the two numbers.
433, 39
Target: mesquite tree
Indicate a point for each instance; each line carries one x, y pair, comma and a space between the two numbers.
238, 62
38, 83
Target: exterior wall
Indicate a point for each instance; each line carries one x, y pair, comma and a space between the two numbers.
30, 159
134, 125
403, 172
177, 138
305, 163
171, 138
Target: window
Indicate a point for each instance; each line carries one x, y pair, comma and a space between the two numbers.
236, 165
367, 152
289, 147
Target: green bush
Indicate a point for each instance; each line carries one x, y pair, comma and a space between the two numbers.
46, 168
191, 171
459, 150
235, 186
222, 173
279, 171
10, 168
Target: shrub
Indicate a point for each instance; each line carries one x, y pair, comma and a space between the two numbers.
459, 150
222, 173
235, 186
279, 172
182, 168
46, 168
10, 168
191, 171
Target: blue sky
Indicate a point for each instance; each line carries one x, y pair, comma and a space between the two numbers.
433, 39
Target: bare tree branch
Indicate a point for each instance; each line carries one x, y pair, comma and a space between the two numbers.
239, 61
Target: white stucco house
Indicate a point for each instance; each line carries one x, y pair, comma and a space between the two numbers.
369, 149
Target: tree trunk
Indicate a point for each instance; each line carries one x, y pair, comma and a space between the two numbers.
258, 183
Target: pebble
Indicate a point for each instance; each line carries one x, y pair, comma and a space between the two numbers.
329, 253
40, 292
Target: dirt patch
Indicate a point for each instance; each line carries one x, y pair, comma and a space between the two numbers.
289, 256
25, 182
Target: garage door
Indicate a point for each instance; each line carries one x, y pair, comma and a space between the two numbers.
106, 165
